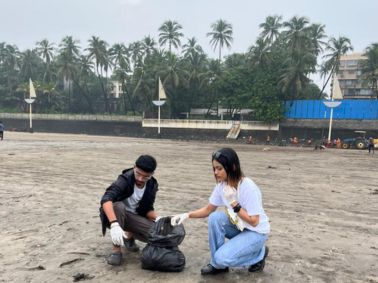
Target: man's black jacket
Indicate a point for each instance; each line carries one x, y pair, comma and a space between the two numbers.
123, 188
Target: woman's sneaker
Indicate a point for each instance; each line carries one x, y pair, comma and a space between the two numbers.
211, 270
258, 267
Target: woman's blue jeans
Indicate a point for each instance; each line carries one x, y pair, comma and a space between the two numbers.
243, 248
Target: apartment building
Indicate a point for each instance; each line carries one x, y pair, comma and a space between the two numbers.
115, 91
351, 83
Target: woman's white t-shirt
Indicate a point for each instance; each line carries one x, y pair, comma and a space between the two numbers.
249, 198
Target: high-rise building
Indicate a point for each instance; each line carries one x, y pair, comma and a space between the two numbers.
352, 85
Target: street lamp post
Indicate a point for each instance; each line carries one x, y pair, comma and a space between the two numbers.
331, 103
159, 102
30, 101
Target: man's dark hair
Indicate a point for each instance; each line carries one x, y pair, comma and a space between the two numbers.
147, 163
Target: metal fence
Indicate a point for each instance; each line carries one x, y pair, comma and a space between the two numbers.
349, 109
79, 117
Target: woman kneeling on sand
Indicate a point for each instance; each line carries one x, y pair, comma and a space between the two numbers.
243, 222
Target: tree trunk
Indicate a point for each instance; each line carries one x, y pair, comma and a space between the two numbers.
325, 84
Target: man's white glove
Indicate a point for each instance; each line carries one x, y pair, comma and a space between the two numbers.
229, 194
117, 234
179, 218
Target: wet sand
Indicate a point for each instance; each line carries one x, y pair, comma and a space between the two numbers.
323, 207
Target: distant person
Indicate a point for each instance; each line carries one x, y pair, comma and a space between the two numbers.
294, 140
320, 147
1, 130
267, 141
338, 143
371, 145
243, 222
249, 140
128, 205
334, 142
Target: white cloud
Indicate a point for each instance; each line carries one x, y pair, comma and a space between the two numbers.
131, 2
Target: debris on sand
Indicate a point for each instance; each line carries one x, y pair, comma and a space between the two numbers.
82, 276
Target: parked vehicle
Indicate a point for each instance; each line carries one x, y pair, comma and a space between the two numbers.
359, 142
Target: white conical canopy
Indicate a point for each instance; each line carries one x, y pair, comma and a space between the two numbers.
336, 90
31, 89
161, 91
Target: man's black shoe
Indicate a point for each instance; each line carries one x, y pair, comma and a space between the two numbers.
130, 245
258, 267
209, 269
115, 258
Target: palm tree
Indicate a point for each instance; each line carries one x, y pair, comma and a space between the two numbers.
294, 78
119, 56
337, 48
316, 35
172, 71
97, 51
136, 54
271, 29
303, 44
48, 89
221, 35
45, 49
70, 47
29, 63
172, 78
170, 33
148, 45
67, 71
191, 47
259, 54
195, 76
85, 67
370, 67
69, 51
9, 70
9, 55
213, 74
296, 36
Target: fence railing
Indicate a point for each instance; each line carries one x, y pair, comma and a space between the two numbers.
81, 117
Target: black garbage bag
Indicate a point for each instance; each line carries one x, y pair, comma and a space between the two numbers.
163, 234
162, 253
162, 259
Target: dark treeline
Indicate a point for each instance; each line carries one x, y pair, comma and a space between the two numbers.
70, 79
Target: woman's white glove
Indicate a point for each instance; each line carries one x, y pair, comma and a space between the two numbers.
179, 218
117, 234
229, 194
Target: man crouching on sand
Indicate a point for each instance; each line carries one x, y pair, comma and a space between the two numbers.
128, 205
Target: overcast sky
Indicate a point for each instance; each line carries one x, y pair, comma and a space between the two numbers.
24, 22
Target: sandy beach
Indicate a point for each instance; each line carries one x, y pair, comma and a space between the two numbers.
323, 208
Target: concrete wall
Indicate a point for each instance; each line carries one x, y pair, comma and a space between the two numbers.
209, 124
302, 129
369, 125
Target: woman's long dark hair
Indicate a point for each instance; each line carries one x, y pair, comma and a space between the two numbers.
230, 162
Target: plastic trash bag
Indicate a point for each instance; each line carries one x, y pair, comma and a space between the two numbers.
162, 253
162, 259
163, 234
